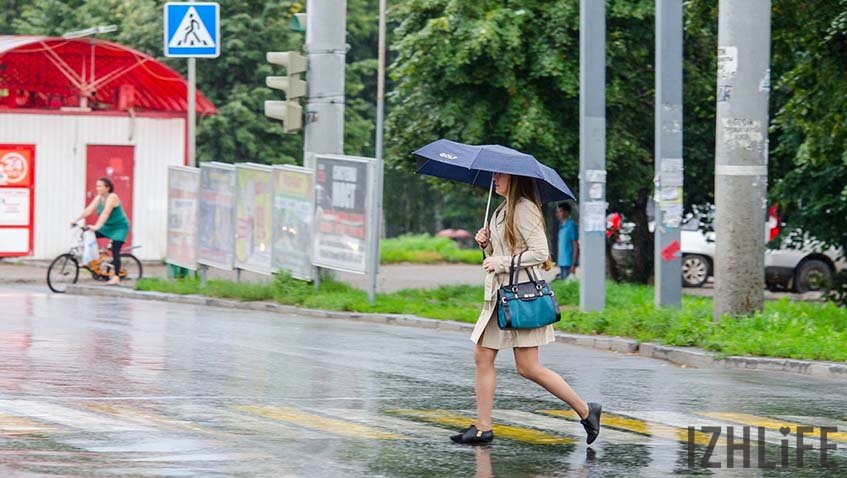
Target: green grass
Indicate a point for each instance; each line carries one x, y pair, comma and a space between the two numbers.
426, 249
802, 330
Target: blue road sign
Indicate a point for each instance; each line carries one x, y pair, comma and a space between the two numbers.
192, 30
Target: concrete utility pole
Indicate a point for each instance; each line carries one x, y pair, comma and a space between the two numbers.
326, 47
668, 158
592, 154
741, 150
380, 115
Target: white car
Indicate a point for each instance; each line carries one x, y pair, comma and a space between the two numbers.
809, 268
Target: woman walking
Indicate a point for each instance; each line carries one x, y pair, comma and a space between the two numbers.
112, 223
517, 225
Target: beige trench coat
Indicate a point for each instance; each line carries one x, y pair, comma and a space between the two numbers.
528, 221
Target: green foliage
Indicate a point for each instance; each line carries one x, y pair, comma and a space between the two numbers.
802, 330
425, 249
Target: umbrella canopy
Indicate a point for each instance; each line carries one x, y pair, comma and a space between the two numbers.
477, 164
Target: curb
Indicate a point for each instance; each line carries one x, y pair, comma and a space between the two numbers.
683, 356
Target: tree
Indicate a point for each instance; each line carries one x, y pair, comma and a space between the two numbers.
508, 72
235, 82
813, 191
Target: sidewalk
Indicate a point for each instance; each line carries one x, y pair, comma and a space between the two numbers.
391, 277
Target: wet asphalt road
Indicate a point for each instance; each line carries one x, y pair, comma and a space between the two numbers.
107, 387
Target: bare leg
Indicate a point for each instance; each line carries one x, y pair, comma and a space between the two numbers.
486, 382
529, 367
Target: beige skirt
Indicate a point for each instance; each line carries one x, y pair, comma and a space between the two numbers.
493, 337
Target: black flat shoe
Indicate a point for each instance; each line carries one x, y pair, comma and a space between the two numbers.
472, 436
591, 423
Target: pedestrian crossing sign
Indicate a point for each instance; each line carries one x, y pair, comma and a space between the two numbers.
192, 30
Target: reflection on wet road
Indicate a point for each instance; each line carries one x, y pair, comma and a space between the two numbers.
109, 387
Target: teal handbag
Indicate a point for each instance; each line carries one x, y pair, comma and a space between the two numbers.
528, 305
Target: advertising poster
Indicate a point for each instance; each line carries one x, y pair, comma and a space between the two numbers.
341, 213
292, 221
216, 241
253, 217
183, 202
17, 196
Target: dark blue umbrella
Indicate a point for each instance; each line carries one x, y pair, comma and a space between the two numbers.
477, 164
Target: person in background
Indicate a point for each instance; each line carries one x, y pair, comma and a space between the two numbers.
568, 241
112, 222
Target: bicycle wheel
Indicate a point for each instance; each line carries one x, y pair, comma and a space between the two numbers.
63, 270
131, 268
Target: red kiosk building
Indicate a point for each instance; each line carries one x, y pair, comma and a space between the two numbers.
74, 110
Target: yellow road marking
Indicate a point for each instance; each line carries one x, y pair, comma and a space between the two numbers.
138, 415
319, 422
771, 424
11, 425
525, 435
641, 427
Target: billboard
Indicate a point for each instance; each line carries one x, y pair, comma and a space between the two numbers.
17, 197
253, 217
216, 238
293, 203
343, 202
183, 202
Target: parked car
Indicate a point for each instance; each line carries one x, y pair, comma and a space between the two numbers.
807, 268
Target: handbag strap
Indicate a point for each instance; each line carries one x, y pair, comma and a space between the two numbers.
514, 272
517, 270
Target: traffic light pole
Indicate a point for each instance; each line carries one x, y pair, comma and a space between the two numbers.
192, 112
592, 154
326, 47
668, 155
741, 155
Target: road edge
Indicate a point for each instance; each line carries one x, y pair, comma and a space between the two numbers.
682, 356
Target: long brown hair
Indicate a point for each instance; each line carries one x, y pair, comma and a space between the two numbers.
522, 187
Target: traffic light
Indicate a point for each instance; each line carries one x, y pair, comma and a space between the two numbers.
289, 111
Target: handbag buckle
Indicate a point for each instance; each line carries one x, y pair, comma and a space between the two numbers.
515, 289
538, 286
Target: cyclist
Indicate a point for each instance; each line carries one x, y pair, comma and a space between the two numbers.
112, 222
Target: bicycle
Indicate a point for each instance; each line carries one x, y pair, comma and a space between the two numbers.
65, 268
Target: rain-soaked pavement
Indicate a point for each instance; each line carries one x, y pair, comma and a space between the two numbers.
107, 387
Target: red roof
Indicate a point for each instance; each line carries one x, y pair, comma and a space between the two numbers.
44, 72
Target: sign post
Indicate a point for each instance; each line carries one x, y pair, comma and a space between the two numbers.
192, 30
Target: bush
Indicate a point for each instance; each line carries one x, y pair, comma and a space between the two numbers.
426, 249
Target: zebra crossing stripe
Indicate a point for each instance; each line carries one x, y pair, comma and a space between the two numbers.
12, 426
457, 420
139, 415
569, 427
69, 417
775, 425
313, 421
395, 424
641, 427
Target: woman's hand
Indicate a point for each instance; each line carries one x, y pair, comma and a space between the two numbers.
482, 237
488, 264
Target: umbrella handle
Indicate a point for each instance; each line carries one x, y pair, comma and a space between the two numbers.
488, 206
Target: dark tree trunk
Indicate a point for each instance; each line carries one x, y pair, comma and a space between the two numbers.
612, 268
642, 240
